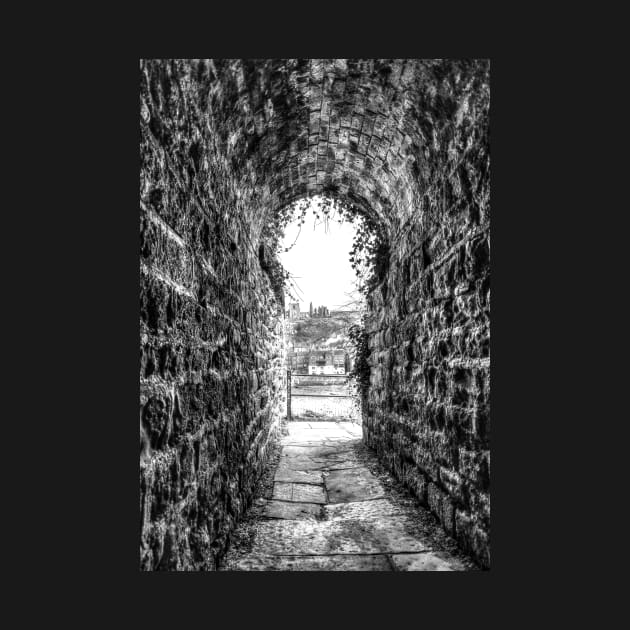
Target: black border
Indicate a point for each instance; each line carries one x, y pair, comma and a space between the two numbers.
94, 502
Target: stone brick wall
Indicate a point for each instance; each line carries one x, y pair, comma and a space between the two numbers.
211, 376
428, 407
225, 145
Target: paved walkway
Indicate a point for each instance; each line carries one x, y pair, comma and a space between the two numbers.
328, 512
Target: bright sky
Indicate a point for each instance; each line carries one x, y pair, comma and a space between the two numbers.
319, 262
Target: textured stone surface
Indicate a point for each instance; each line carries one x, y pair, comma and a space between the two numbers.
429, 561
288, 537
299, 476
353, 533
301, 492
224, 145
352, 485
374, 562
292, 510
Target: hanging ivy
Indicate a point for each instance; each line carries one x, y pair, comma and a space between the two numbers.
369, 254
360, 371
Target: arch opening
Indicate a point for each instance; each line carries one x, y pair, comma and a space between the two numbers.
323, 307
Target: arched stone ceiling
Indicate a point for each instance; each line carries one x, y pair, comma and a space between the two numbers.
226, 143
373, 131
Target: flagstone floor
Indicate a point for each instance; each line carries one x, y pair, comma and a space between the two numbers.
329, 511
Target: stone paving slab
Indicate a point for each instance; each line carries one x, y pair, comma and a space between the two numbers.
320, 436
432, 561
317, 451
289, 475
317, 440
322, 443
339, 428
306, 463
314, 563
298, 537
357, 484
299, 426
299, 492
330, 513
292, 510
365, 510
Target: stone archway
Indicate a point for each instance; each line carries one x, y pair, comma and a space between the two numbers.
225, 144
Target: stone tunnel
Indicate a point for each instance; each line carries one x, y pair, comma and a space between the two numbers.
225, 147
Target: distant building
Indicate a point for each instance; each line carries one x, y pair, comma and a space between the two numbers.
294, 310
320, 363
298, 362
303, 361
339, 361
320, 311
327, 362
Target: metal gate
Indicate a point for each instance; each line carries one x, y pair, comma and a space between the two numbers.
322, 397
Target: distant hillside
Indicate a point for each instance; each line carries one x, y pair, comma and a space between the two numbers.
324, 331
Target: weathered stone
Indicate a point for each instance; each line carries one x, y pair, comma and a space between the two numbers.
430, 561
357, 484
292, 510
383, 535
288, 475
227, 143
316, 452
354, 535
299, 492
375, 562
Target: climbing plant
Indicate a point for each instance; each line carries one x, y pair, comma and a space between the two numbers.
369, 254
360, 371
